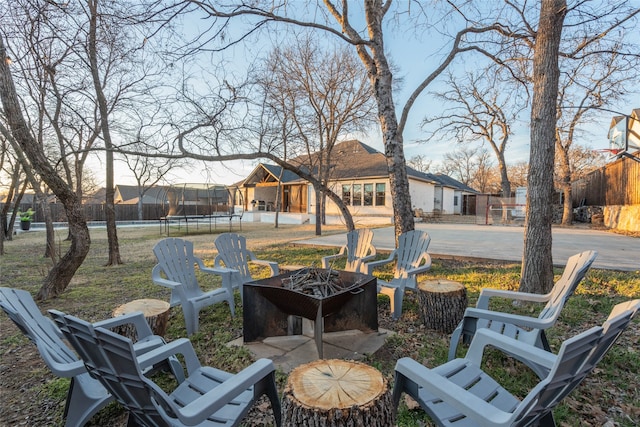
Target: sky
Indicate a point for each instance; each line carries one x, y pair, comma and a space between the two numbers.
411, 69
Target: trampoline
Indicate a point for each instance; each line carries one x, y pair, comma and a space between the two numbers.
200, 205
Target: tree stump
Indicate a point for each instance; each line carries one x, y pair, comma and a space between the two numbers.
156, 312
442, 304
337, 393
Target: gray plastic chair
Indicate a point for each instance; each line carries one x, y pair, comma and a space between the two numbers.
86, 396
358, 250
459, 392
176, 262
411, 259
233, 259
530, 330
208, 396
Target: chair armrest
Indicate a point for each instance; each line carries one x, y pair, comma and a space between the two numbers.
422, 269
449, 392
159, 280
514, 319
64, 369
487, 293
180, 346
212, 401
375, 264
136, 319
271, 264
326, 259
485, 337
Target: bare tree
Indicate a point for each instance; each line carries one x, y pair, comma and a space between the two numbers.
484, 111
60, 275
147, 171
518, 174
588, 84
325, 95
469, 165
420, 162
338, 20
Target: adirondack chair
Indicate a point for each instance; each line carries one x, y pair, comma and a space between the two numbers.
86, 396
233, 259
459, 392
411, 259
530, 330
176, 270
208, 396
358, 251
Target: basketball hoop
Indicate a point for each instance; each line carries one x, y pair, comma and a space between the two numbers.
613, 153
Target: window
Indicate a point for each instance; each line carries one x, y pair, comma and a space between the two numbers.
357, 194
368, 194
380, 194
346, 194
455, 200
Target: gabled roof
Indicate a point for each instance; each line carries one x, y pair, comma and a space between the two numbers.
129, 192
350, 160
264, 173
450, 182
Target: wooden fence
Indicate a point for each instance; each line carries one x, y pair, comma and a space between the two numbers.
617, 183
96, 212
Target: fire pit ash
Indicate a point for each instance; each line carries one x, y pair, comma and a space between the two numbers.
334, 300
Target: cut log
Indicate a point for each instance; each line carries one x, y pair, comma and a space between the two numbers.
337, 393
442, 304
155, 311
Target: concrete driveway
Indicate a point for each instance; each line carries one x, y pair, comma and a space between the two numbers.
615, 251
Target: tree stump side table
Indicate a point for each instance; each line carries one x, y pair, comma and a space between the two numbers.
442, 304
337, 393
155, 311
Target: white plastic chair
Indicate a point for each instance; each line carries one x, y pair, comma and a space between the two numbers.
358, 250
411, 259
460, 393
207, 397
86, 396
176, 263
530, 330
233, 259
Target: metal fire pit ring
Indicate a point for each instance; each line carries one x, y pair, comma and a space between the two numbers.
267, 305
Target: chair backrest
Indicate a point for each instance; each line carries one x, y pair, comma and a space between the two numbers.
232, 251
578, 356
575, 270
176, 260
110, 358
358, 246
23, 311
411, 251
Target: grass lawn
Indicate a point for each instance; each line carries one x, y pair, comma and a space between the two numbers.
31, 395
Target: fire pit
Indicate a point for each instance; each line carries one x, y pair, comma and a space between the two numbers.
334, 300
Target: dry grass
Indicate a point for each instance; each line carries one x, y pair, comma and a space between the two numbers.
31, 395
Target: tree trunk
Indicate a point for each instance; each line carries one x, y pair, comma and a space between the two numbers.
337, 393
318, 196
565, 185
382, 83
110, 211
505, 184
50, 250
62, 272
537, 263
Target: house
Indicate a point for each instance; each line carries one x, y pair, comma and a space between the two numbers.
360, 177
129, 195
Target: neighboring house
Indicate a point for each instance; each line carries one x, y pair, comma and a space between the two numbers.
359, 175
129, 195
460, 191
